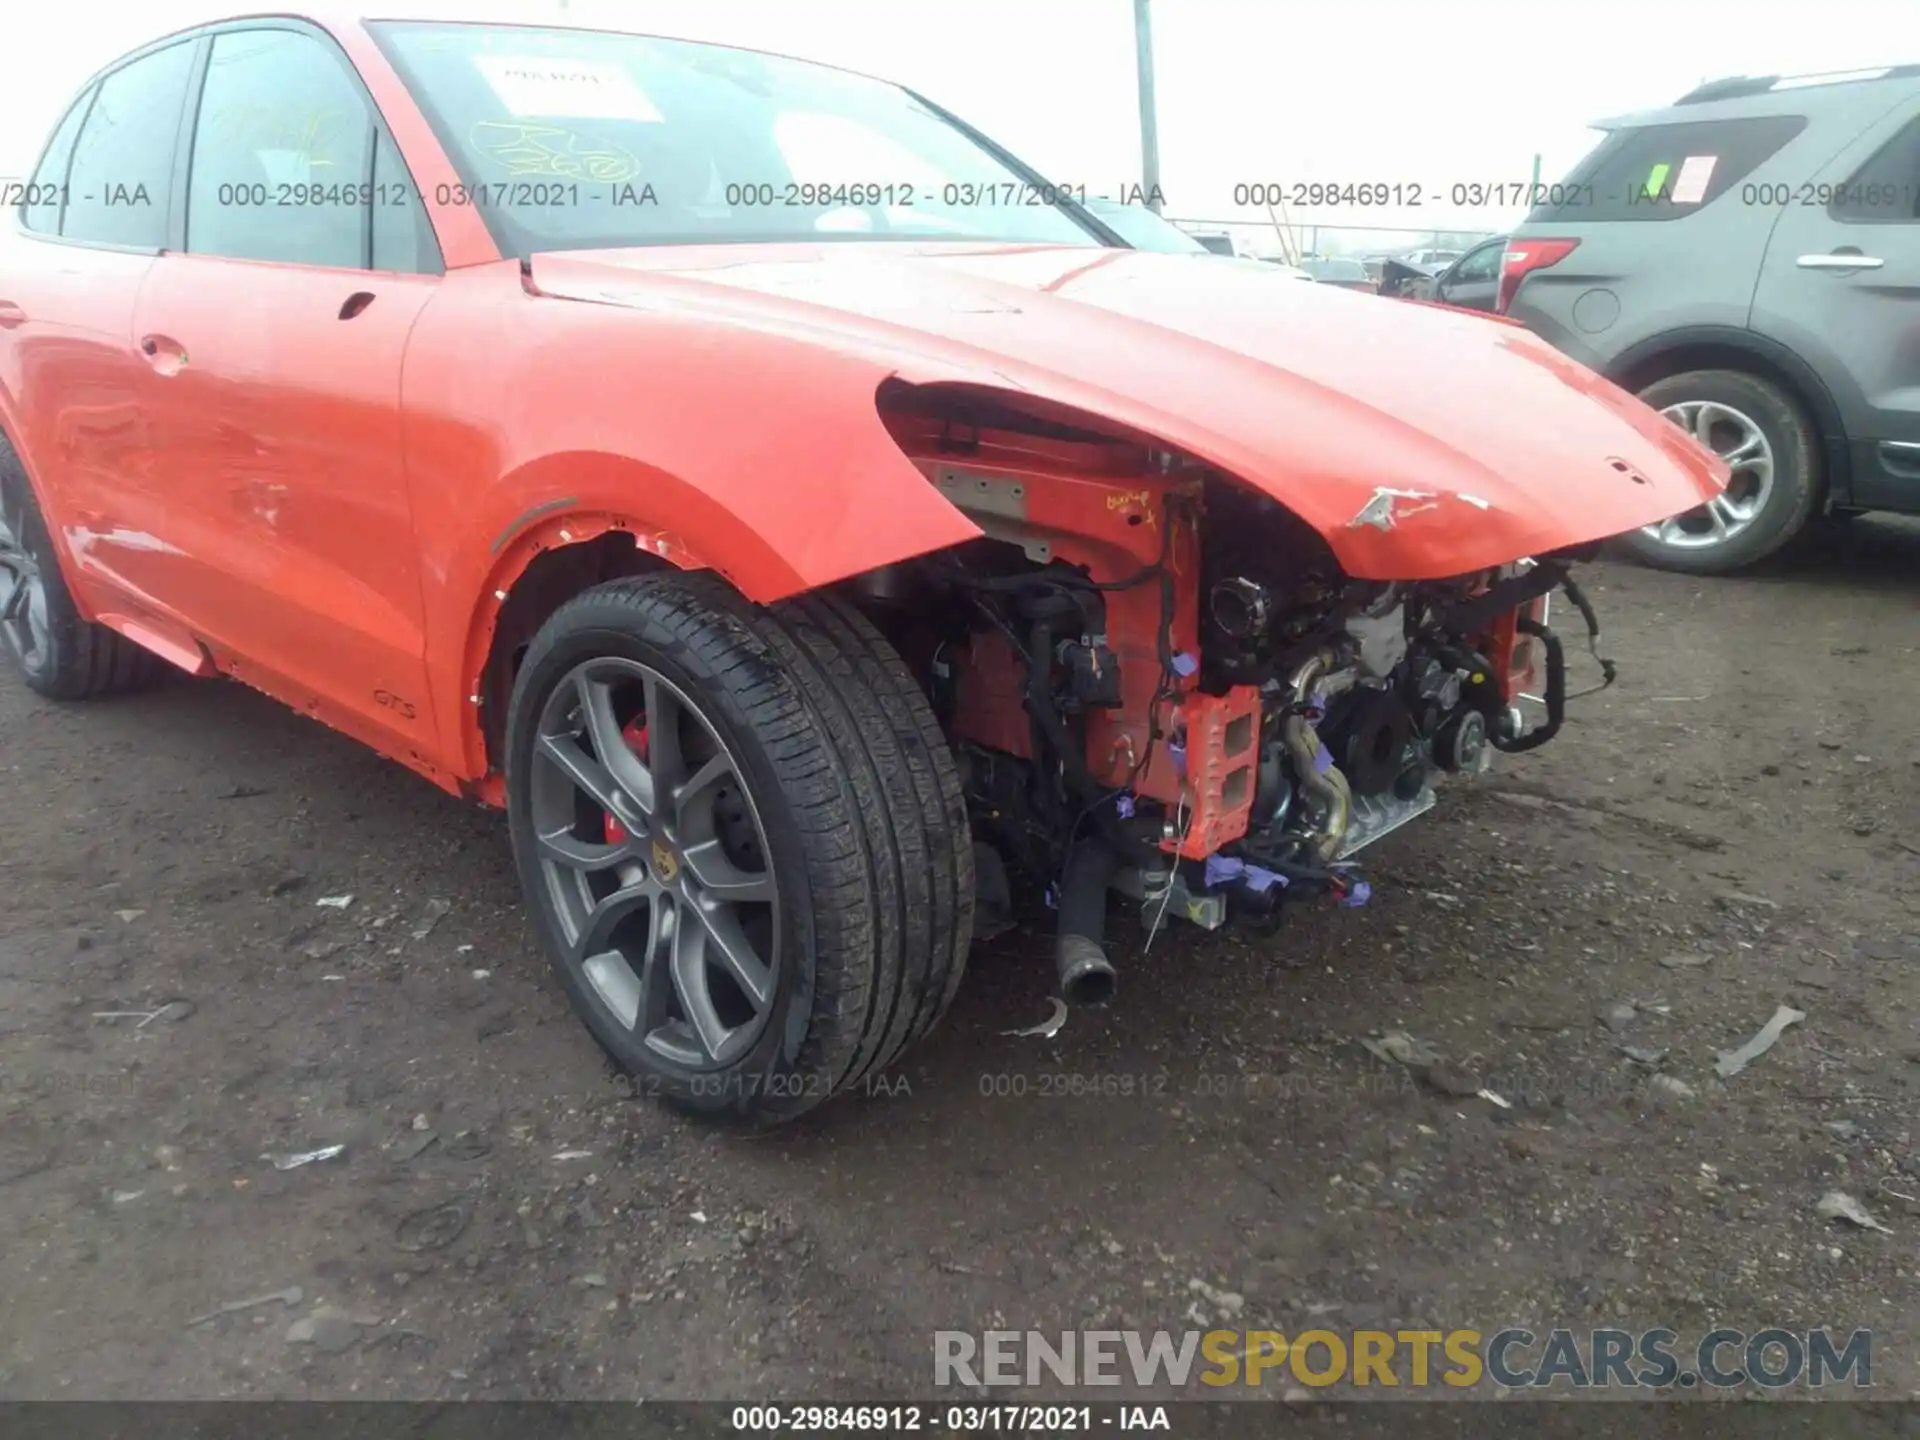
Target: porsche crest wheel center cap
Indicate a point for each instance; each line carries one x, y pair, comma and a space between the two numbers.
666, 864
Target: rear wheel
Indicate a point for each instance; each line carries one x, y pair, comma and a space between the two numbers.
743, 839
60, 653
1767, 442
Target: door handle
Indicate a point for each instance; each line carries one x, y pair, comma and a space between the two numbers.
1901, 457
168, 357
1840, 260
11, 315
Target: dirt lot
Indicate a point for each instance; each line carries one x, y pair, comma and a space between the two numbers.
1734, 827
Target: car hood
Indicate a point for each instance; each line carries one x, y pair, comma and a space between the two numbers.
1421, 442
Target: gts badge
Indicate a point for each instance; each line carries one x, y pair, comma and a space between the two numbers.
387, 700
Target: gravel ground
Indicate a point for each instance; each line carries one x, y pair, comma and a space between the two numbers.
1734, 827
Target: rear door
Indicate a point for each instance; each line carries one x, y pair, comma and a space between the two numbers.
95, 218
1841, 287
1659, 229
273, 341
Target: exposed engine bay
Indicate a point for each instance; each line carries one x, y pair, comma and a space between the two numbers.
1161, 682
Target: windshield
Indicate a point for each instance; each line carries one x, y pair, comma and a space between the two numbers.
575, 139
1144, 230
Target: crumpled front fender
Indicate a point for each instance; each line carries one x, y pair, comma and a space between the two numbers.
765, 453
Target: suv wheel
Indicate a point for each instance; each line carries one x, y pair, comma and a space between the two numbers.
1766, 438
60, 653
743, 839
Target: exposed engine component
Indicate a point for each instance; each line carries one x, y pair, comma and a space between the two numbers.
1377, 815
1378, 746
1461, 743
1241, 607
1320, 781
1379, 633
1091, 674
1161, 683
1272, 587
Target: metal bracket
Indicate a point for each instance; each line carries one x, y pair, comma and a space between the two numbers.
996, 503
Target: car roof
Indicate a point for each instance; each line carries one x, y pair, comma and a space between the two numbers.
477, 13
472, 12
1739, 97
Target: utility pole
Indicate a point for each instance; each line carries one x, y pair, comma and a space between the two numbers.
1149, 127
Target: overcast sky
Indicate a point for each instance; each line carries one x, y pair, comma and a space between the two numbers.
1249, 90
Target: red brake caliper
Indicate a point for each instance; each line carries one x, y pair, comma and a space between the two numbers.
636, 737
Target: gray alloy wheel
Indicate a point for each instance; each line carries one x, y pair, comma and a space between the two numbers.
742, 839
23, 589
61, 654
1772, 450
655, 860
1737, 439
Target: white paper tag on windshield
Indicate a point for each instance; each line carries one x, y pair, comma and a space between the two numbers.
1691, 184
565, 89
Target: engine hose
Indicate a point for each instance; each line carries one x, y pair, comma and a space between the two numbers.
1475, 614
1080, 957
1329, 787
1556, 696
1609, 672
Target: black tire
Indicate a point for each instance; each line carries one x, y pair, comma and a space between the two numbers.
854, 791
1796, 481
59, 652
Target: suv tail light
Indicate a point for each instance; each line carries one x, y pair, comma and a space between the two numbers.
1522, 257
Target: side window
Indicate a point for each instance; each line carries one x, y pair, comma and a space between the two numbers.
402, 236
40, 209
122, 174
1887, 187
1482, 264
1665, 172
282, 154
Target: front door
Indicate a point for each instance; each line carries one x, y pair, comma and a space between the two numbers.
273, 345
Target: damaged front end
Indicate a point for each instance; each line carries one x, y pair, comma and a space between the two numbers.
1161, 682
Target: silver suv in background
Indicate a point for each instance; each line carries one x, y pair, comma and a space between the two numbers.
1747, 261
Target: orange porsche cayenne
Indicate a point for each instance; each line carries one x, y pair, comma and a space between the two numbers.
821, 534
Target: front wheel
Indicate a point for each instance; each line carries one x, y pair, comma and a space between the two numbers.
1767, 442
743, 839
